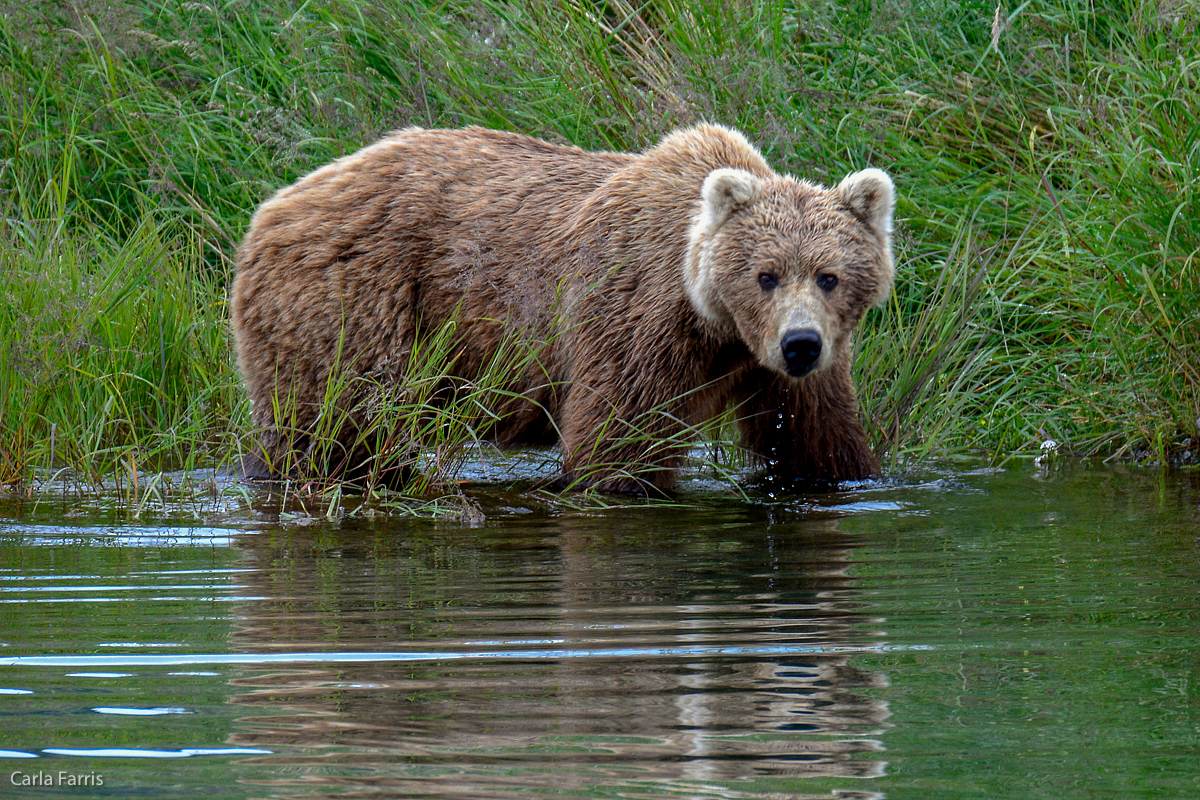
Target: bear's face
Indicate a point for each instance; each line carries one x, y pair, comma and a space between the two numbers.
790, 268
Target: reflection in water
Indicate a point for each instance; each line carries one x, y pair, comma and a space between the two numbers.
1040, 641
736, 676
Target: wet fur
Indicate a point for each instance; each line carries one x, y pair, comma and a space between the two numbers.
595, 252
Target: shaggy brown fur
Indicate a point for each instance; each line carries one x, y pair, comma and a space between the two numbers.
670, 284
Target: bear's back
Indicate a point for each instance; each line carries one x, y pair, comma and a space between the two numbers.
427, 183
345, 264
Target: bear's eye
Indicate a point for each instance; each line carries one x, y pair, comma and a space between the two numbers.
827, 281
767, 281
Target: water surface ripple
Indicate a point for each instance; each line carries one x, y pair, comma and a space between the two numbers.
960, 633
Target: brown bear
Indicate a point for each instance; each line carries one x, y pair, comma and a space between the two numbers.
665, 287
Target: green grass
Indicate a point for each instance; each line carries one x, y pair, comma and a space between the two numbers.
415, 434
1048, 221
115, 355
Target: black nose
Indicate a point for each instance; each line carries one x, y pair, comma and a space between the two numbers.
801, 349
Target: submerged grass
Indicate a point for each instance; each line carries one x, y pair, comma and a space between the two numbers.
1046, 155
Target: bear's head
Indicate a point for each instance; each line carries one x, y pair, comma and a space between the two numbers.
788, 267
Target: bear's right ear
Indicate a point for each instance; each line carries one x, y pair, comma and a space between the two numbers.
724, 191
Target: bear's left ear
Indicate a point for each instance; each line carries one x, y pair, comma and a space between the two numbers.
870, 195
872, 198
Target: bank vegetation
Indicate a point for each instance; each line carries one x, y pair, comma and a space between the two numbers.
1047, 156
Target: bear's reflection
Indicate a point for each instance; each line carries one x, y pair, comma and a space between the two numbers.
654, 652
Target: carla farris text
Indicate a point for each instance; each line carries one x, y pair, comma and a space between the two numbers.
60, 778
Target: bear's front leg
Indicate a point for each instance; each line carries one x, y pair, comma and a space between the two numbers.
628, 445
805, 431
603, 449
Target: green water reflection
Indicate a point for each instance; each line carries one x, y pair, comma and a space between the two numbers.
950, 634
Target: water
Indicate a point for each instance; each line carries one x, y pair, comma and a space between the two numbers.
954, 634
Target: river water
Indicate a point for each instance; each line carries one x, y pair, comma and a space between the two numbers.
957, 632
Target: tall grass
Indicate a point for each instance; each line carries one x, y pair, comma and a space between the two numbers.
413, 433
112, 355
1048, 224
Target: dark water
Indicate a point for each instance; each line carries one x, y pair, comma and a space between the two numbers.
953, 634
